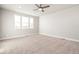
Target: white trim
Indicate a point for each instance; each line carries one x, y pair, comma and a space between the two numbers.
16, 36
71, 39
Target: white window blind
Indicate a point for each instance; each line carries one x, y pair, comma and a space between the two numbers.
17, 21
24, 22
31, 22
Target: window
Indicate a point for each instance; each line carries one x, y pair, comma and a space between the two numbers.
25, 22
22, 22
31, 22
17, 21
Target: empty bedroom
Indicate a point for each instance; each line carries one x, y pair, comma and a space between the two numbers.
39, 28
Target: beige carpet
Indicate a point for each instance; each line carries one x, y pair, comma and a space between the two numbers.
38, 44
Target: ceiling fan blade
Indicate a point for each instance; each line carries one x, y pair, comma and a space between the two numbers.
46, 6
37, 5
40, 5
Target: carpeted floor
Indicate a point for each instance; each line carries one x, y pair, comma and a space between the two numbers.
38, 44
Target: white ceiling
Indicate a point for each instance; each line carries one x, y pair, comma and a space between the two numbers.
29, 8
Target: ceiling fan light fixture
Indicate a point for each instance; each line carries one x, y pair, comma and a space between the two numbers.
40, 9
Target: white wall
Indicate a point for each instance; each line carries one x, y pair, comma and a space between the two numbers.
64, 23
0, 23
8, 28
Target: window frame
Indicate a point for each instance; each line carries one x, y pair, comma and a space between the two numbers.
21, 24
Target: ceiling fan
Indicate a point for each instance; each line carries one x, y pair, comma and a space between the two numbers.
41, 7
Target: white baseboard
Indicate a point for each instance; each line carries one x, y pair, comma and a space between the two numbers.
16, 36
66, 38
